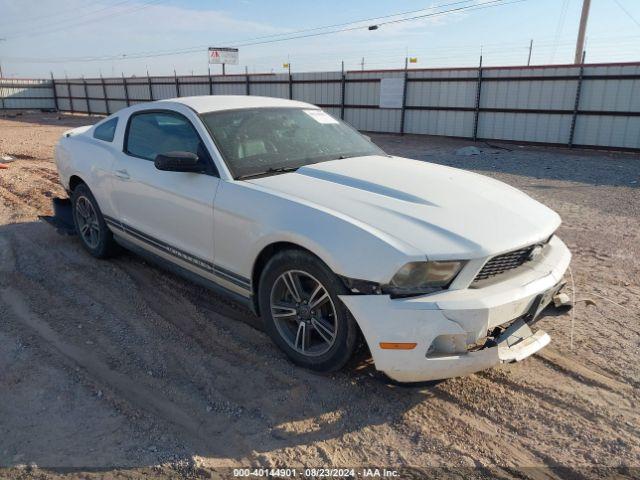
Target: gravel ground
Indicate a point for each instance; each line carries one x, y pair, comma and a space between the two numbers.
119, 369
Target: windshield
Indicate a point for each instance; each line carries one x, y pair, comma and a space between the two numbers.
262, 141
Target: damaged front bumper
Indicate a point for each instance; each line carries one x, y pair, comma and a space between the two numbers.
458, 332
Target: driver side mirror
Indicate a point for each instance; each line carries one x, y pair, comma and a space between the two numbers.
178, 162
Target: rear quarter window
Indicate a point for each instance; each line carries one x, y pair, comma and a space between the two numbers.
106, 131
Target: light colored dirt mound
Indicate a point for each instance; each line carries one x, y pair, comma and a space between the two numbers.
119, 369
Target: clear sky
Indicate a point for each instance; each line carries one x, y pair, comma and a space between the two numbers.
61, 36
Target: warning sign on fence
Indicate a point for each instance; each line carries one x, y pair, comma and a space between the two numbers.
228, 56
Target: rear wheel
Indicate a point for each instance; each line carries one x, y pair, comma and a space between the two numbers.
302, 312
90, 226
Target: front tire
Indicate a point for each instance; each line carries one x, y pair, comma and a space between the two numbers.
95, 236
302, 313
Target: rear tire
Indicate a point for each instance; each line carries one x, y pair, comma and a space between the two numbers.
95, 236
302, 313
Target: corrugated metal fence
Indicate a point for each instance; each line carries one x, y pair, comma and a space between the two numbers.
595, 105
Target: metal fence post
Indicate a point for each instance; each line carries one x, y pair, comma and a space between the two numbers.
175, 76
69, 93
126, 90
150, 86
404, 95
576, 104
55, 94
104, 94
476, 115
2, 94
290, 87
343, 90
86, 95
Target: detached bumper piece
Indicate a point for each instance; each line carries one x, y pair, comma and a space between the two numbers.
518, 342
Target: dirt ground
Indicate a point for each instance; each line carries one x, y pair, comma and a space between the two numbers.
119, 369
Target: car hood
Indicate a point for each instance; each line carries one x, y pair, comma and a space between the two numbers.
442, 211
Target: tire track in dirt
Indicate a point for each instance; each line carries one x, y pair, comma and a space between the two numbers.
156, 335
70, 298
132, 391
583, 373
193, 428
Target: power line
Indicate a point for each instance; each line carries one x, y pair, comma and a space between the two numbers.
73, 11
627, 12
560, 26
294, 36
623, 44
479, 6
359, 21
62, 26
197, 48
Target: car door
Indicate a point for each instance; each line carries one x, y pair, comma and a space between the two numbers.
170, 213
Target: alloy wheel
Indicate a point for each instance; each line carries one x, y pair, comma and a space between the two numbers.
303, 313
87, 220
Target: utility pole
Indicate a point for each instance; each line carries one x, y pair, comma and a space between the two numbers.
1, 40
2, 105
530, 49
582, 31
2, 90
362, 64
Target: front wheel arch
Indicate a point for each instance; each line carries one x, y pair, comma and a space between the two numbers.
266, 254
74, 181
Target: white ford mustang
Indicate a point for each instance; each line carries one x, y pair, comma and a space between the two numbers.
440, 271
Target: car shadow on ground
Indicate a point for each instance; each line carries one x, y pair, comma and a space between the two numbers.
119, 363
587, 167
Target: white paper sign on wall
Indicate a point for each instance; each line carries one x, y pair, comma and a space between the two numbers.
391, 91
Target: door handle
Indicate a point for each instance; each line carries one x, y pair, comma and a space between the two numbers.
123, 174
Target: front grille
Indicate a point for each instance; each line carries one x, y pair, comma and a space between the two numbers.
504, 262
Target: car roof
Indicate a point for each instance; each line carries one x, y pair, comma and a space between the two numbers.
213, 103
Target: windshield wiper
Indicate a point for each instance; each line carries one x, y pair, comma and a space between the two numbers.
268, 171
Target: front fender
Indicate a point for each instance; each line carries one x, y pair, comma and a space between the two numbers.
247, 219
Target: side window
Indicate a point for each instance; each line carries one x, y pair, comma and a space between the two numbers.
162, 132
106, 130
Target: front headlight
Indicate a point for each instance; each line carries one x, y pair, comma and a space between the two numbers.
417, 278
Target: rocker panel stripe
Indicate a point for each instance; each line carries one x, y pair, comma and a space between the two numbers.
180, 254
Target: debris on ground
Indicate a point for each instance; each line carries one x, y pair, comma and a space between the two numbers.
468, 151
561, 300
